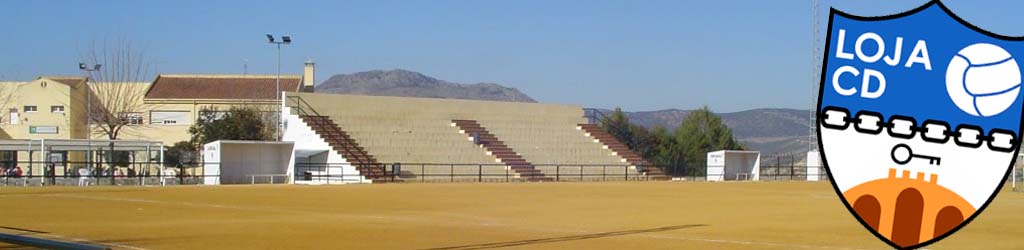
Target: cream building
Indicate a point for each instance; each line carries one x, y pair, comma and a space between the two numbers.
45, 108
49, 107
172, 103
54, 107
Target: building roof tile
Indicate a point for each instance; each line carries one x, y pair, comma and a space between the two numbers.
221, 87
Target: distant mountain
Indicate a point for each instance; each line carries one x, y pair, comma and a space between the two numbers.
766, 130
400, 82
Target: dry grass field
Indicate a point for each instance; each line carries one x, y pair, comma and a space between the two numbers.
588, 215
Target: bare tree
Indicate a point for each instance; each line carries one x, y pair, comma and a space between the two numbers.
8, 94
118, 87
116, 90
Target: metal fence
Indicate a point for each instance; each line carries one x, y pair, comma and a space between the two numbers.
691, 171
450, 172
773, 168
786, 167
34, 173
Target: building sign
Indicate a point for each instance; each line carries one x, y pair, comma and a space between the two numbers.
42, 129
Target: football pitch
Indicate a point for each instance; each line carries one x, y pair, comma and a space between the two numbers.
585, 215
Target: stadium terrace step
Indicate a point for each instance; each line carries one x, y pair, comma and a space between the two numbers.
623, 151
343, 148
339, 140
499, 150
502, 150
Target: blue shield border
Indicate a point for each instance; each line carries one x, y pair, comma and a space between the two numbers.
819, 121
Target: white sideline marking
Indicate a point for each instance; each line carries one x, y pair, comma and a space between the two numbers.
763, 243
80, 240
734, 242
247, 208
490, 222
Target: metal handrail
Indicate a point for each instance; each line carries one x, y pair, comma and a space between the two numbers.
596, 116
593, 115
334, 129
300, 102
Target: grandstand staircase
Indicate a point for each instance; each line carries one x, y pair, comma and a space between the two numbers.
349, 149
499, 150
603, 137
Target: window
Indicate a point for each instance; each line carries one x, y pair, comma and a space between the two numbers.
13, 116
8, 159
42, 129
30, 108
217, 115
59, 158
169, 117
57, 109
132, 118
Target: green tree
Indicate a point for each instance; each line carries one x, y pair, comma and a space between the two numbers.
182, 151
617, 124
119, 158
634, 136
702, 131
236, 123
683, 150
661, 153
648, 143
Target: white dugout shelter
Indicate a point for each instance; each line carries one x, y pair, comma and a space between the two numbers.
729, 165
247, 162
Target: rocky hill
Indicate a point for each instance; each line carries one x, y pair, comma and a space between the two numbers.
400, 82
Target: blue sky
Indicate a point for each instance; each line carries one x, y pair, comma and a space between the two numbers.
640, 55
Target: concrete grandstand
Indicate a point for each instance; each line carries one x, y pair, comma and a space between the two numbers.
350, 138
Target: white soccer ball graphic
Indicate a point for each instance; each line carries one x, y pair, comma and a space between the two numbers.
983, 79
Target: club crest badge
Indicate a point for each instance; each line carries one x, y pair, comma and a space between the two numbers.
919, 119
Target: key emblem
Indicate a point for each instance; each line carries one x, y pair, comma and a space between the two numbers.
901, 154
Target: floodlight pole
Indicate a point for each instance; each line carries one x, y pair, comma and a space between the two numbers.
284, 40
87, 69
277, 95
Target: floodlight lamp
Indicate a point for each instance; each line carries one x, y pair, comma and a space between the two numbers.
270, 38
286, 39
